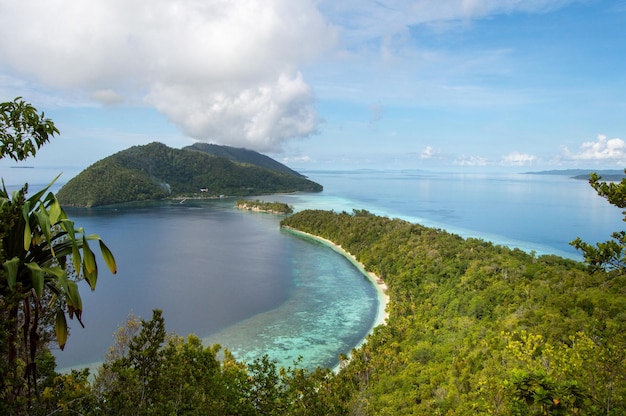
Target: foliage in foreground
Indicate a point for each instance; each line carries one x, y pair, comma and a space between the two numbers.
609, 255
149, 372
43, 256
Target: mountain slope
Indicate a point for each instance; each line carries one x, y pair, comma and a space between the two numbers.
240, 155
155, 171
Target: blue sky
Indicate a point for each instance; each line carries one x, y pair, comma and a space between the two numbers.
449, 85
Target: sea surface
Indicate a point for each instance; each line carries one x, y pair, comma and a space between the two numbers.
235, 278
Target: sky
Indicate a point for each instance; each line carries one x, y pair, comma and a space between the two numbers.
445, 85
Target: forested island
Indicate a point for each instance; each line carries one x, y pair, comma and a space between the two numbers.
263, 206
156, 171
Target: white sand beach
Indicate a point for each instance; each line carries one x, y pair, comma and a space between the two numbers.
381, 287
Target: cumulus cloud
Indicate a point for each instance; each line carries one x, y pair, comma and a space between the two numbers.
223, 71
260, 118
518, 159
603, 149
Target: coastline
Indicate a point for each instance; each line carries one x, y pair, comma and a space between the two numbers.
381, 288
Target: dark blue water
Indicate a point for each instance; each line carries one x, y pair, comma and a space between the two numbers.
228, 274
236, 279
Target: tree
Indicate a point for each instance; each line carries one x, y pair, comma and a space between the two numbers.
22, 130
156, 373
43, 256
609, 255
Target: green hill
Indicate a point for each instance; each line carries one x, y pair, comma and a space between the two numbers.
240, 155
155, 171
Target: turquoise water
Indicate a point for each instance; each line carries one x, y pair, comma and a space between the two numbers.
326, 313
539, 213
236, 279
232, 277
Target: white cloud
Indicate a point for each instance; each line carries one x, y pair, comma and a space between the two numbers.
518, 159
385, 19
259, 118
232, 71
385, 53
211, 66
427, 153
603, 149
471, 161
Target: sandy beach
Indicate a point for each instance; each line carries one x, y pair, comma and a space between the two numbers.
381, 287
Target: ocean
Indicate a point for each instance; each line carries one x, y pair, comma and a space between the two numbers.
235, 278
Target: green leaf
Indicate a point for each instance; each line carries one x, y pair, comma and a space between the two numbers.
74, 302
57, 272
60, 328
37, 275
11, 266
73, 296
44, 223
89, 265
55, 211
108, 257
76, 259
91, 277
37, 197
68, 227
89, 260
27, 232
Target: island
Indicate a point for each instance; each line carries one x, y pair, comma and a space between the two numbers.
611, 175
263, 206
156, 171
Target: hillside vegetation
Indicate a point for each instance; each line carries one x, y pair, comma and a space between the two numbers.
476, 328
155, 171
239, 155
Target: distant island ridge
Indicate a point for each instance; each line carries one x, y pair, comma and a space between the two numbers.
606, 174
156, 171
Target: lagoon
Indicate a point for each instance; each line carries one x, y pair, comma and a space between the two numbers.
229, 276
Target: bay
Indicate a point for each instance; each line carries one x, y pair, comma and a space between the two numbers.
235, 278
229, 276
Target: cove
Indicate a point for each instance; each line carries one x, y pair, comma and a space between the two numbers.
228, 276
